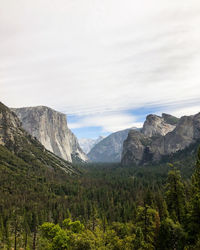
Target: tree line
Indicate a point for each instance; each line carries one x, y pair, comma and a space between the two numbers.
106, 207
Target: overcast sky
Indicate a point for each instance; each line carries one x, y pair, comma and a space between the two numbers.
105, 63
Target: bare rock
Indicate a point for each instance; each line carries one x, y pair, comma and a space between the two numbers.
50, 128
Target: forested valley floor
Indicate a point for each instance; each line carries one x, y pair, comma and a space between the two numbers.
104, 207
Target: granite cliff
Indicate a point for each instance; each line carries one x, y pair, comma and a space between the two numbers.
160, 136
20, 149
50, 128
156, 125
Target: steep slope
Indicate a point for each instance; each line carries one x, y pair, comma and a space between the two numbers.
110, 148
152, 147
156, 125
186, 132
15, 141
87, 144
50, 128
134, 148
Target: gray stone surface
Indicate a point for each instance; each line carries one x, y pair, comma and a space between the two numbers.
110, 148
160, 136
50, 128
156, 125
14, 138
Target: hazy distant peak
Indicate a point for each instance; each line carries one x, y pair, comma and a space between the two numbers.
87, 143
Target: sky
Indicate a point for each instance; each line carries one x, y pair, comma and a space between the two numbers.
106, 64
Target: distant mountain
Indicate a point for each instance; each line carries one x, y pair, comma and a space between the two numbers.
18, 149
50, 128
160, 137
110, 148
87, 144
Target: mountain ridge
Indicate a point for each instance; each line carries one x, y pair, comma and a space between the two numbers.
141, 148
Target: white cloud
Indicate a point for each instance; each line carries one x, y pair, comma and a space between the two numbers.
185, 111
84, 57
109, 122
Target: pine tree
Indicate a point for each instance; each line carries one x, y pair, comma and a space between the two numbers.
148, 220
171, 235
175, 195
195, 203
139, 239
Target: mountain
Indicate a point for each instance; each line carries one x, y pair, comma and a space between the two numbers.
156, 125
18, 149
110, 148
50, 128
160, 137
87, 144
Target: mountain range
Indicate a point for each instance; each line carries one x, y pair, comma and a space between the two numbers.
46, 128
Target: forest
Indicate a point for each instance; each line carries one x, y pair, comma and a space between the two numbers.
105, 206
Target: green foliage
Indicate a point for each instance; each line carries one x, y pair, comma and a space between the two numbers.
194, 216
104, 207
171, 235
57, 237
175, 195
75, 227
149, 222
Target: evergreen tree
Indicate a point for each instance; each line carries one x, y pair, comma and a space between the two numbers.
194, 217
148, 220
175, 196
139, 239
171, 235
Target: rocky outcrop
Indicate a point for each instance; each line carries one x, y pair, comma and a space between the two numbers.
10, 128
186, 132
26, 149
77, 154
170, 119
156, 125
135, 142
160, 136
50, 128
110, 148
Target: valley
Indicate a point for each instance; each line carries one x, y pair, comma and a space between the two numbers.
99, 125
50, 203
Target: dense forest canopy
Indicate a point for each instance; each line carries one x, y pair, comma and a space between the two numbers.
103, 207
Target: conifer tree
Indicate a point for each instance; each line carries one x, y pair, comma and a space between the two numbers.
175, 196
195, 203
171, 235
148, 220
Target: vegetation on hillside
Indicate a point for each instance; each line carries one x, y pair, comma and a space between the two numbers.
104, 207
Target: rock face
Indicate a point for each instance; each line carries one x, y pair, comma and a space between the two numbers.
10, 128
133, 147
159, 137
28, 150
186, 132
156, 125
110, 148
50, 128
87, 144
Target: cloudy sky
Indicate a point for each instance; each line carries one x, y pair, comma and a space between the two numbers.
105, 63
